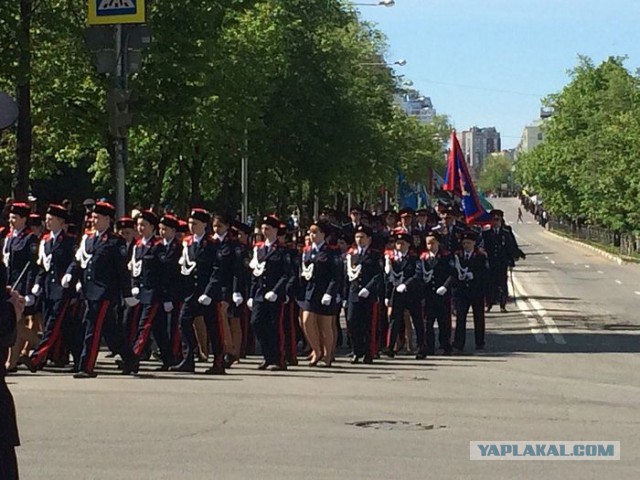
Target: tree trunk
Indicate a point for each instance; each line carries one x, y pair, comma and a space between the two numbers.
23, 99
195, 174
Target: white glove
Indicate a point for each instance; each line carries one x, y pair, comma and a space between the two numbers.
326, 300
287, 299
237, 298
66, 280
36, 290
131, 301
135, 291
441, 290
29, 300
364, 293
250, 304
78, 286
168, 307
344, 304
387, 301
401, 288
204, 300
271, 296
469, 275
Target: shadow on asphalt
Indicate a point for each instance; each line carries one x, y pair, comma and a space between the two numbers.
576, 342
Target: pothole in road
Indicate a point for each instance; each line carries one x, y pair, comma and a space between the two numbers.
396, 425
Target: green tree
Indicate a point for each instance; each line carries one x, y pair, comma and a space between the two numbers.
495, 173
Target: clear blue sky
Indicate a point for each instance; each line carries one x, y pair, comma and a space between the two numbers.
489, 62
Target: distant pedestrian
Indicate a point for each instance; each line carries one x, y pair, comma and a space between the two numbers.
519, 216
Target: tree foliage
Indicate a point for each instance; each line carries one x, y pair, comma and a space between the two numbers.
495, 173
588, 167
299, 87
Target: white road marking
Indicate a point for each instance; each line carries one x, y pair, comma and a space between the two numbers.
587, 266
600, 272
637, 293
618, 282
553, 262
551, 326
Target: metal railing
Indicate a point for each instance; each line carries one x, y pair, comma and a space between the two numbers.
620, 242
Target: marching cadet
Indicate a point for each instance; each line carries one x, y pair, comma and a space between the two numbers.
55, 254
146, 272
197, 265
349, 229
20, 255
239, 314
171, 291
126, 228
364, 280
227, 278
435, 272
291, 309
271, 269
401, 291
320, 273
101, 265
472, 270
502, 252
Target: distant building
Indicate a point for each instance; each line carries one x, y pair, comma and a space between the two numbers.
476, 144
417, 105
532, 136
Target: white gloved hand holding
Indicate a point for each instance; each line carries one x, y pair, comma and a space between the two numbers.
326, 300
271, 296
469, 275
168, 307
78, 286
29, 300
66, 280
131, 301
237, 298
387, 302
204, 300
250, 304
364, 293
441, 290
344, 304
135, 291
401, 288
36, 290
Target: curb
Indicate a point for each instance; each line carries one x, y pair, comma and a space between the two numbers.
615, 258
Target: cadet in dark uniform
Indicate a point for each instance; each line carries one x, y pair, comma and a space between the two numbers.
241, 315
436, 274
55, 254
20, 254
401, 291
364, 277
197, 266
320, 274
271, 269
471, 270
291, 309
101, 265
502, 252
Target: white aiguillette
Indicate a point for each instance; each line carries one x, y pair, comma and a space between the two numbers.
81, 255
353, 271
186, 264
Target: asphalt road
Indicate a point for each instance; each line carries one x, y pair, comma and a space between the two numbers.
563, 364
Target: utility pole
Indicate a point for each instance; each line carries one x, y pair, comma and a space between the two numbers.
245, 176
121, 141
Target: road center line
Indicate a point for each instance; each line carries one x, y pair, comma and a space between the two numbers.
618, 282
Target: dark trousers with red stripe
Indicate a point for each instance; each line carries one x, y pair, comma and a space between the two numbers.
291, 327
462, 301
100, 319
362, 321
191, 310
55, 328
396, 322
175, 338
152, 319
267, 320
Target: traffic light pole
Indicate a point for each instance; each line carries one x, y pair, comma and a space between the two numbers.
121, 142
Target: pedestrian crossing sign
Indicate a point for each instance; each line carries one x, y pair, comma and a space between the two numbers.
109, 12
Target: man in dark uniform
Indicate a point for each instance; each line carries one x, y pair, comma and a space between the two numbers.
363, 283
55, 254
11, 308
349, 229
197, 265
271, 270
471, 271
435, 272
101, 265
401, 293
20, 254
498, 243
